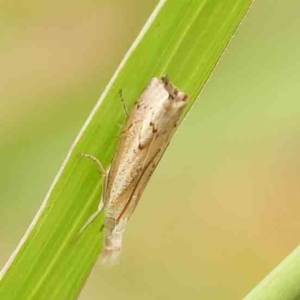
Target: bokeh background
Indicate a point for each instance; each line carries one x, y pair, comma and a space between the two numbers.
225, 198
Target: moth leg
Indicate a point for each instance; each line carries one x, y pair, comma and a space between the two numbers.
103, 172
97, 161
120, 125
123, 103
109, 224
91, 219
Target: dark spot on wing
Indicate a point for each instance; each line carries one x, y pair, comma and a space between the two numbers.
154, 130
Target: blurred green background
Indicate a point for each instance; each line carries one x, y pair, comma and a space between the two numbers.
225, 198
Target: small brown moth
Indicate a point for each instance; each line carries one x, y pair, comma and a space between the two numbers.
146, 135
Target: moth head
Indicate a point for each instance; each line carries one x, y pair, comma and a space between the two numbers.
177, 97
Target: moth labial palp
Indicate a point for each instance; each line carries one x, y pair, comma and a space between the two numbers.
147, 132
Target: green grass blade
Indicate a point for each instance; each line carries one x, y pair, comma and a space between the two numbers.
183, 39
282, 283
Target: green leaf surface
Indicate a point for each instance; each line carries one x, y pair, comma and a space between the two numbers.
282, 283
183, 39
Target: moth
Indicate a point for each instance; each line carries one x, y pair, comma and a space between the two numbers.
146, 135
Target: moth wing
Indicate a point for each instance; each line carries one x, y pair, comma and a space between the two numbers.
131, 129
145, 176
